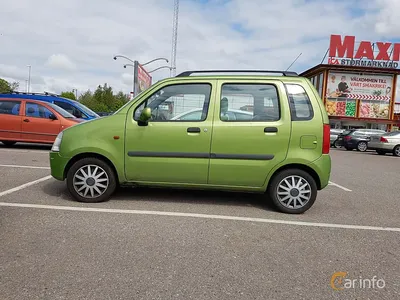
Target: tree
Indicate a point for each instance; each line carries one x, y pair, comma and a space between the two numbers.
69, 95
7, 87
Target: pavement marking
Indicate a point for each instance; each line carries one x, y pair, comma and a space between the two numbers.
25, 167
193, 215
24, 151
25, 185
340, 186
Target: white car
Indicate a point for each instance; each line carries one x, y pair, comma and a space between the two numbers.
195, 114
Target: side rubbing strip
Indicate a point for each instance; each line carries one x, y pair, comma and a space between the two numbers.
201, 155
168, 154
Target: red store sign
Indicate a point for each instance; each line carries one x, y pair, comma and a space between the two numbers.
344, 52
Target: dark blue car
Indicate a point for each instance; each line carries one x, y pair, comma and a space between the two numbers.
73, 107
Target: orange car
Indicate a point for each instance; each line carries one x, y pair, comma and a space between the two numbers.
32, 121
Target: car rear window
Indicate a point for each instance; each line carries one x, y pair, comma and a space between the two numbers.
10, 107
300, 104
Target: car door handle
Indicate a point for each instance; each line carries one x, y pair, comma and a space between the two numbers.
193, 129
270, 129
26, 120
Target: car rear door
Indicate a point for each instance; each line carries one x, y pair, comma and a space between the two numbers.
10, 119
244, 151
36, 124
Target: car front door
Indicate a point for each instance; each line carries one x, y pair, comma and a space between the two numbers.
10, 119
169, 150
244, 150
37, 125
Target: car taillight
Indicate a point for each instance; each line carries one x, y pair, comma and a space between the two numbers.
326, 144
383, 140
347, 137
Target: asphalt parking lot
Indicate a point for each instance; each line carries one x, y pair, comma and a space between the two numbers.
164, 244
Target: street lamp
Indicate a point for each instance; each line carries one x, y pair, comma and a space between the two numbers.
163, 67
133, 79
29, 77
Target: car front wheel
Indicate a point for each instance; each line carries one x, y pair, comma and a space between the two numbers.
91, 180
293, 191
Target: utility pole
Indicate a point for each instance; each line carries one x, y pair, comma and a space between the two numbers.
29, 77
174, 38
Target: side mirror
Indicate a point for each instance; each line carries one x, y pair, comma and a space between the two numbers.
144, 117
52, 117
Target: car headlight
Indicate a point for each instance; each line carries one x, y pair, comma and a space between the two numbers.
57, 142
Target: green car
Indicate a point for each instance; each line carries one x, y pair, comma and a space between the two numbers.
280, 147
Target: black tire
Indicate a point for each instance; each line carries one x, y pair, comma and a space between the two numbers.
396, 151
274, 185
380, 152
109, 190
336, 144
8, 143
362, 146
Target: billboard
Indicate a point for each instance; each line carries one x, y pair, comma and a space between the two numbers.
363, 87
143, 79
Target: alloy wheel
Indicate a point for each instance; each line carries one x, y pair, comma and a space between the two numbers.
294, 192
90, 181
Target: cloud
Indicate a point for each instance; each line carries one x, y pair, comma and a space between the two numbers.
61, 62
71, 44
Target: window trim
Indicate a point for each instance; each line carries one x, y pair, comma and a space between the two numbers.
15, 101
206, 103
293, 115
251, 83
26, 106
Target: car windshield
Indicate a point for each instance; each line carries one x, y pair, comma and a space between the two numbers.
86, 110
61, 111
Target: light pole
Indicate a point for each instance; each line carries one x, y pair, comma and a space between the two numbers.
163, 67
135, 65
76, 93
29, 77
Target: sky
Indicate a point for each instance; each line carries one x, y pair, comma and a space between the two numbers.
71, 44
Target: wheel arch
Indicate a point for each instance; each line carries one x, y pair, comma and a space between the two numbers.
94, 155
303, 167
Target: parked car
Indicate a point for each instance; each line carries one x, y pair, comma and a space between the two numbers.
334, 137
32, 121
284, 155
232, 114
73, 107
358, 138
387, 143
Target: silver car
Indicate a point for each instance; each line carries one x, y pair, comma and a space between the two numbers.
334, 137
386, 143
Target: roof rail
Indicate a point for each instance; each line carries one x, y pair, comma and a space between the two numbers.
26, 93
284, 73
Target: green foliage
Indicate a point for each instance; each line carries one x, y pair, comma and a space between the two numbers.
8, 87
103, 99
69, 95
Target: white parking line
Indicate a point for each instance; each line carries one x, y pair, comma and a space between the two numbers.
203, 216
25, 167
25, 185
339, 186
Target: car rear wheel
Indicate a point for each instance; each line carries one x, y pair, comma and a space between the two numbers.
91, 180
336, 144
396, 151
362, 146
293, 191
8, 143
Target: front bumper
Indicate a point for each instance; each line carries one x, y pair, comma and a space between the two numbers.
57, 165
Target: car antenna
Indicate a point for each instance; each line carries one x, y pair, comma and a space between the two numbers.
294, 61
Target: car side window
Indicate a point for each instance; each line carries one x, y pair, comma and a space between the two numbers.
35, 110
300, 104
241, 102
177, 102
71, 109
10, 107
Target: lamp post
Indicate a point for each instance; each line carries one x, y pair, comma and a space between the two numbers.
29, 77
134, 64
163, 67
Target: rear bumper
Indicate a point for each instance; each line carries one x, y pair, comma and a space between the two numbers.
57, 165
381, 146
322, 166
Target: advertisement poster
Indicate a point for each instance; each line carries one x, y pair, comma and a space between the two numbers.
363, 87
375, 110
144, 79
345, 108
